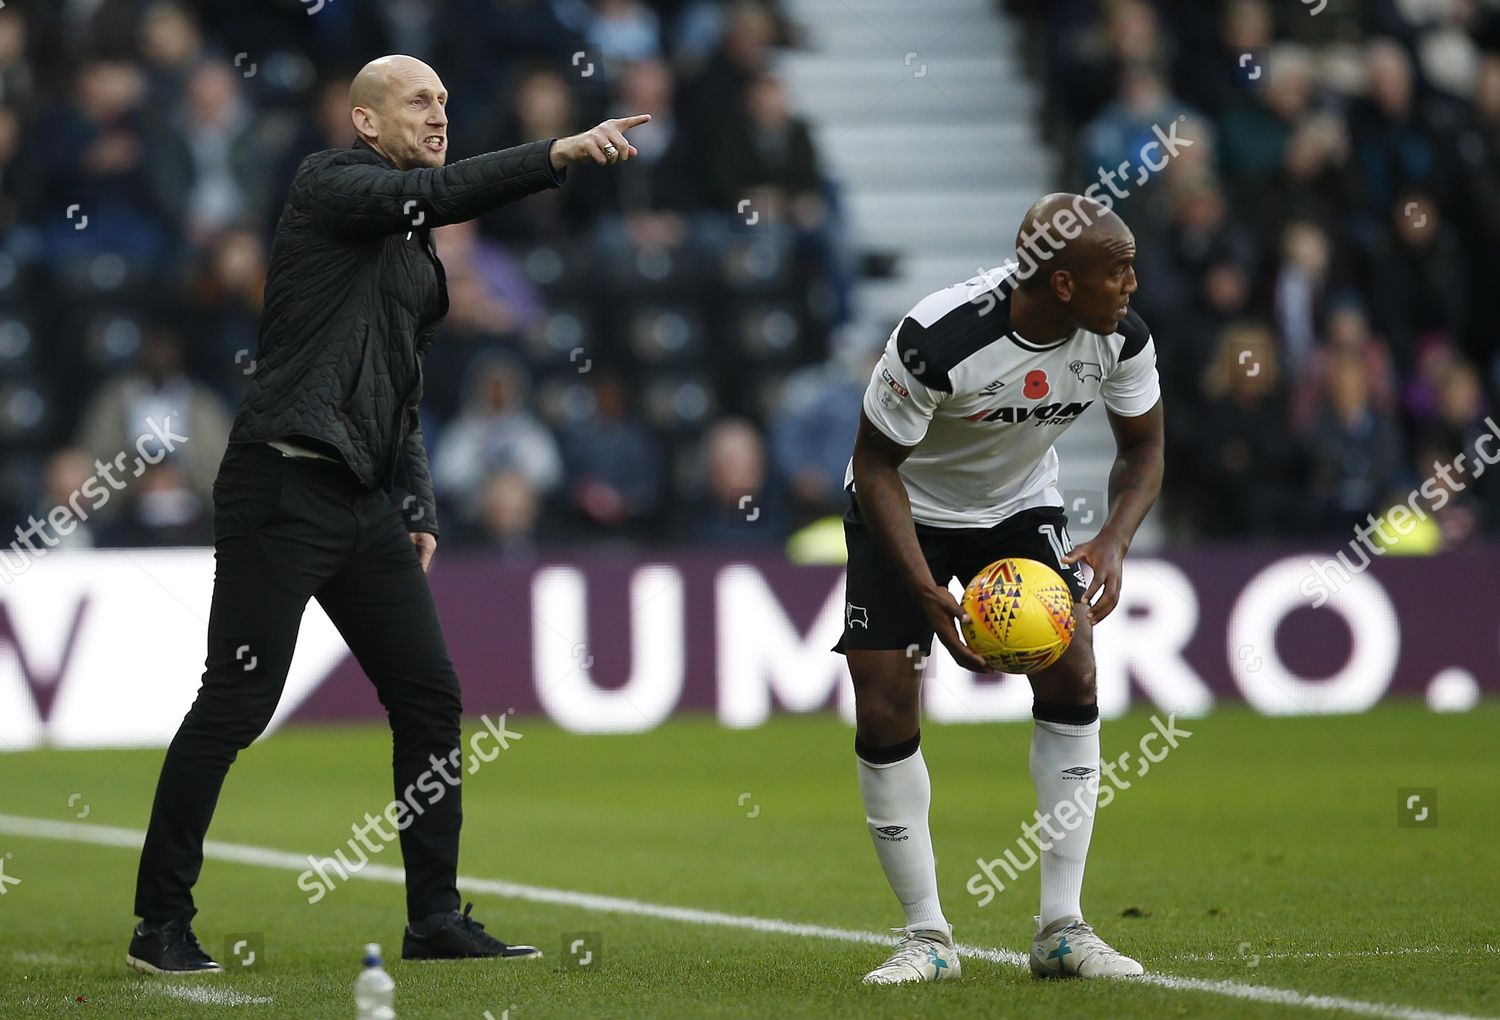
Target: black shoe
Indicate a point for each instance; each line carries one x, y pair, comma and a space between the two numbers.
168, 947
458, 937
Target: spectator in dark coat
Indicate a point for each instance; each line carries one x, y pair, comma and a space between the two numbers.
1356, 449
1247, 476
1394, 146
613, 464
772, 153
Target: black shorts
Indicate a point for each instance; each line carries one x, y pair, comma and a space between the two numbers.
881, 613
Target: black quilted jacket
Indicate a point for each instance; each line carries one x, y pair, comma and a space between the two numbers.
354, 296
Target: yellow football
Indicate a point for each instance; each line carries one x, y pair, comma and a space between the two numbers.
1020, 615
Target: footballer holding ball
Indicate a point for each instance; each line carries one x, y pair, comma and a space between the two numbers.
954, 468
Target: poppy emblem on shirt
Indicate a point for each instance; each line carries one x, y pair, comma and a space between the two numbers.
1036, 385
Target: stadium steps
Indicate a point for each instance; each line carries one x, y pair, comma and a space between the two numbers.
924, 114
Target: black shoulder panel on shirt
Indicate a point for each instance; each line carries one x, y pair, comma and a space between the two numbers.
1135, 331
931, 352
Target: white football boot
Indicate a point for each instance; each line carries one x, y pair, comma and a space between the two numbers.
1068, 947
922, 955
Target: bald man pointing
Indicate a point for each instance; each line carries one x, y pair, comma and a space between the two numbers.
324, 493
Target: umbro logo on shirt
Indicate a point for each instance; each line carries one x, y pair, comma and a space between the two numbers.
993, 387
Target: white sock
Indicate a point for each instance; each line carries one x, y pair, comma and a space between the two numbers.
896, 797
1056, 747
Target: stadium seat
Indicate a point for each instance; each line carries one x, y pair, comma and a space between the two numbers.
665, 334
679, 403
765, 331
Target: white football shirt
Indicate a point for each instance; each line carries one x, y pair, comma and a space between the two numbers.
982, 406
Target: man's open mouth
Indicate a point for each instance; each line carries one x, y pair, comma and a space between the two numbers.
435, 142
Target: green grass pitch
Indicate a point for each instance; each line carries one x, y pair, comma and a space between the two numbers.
1262, 854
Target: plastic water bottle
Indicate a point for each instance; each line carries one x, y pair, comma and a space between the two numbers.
374, 991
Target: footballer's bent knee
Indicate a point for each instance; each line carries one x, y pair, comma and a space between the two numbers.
1071, 680
1067, 683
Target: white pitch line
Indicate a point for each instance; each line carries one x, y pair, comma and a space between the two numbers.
1353, 954
106, 835
39, 959
205, 996
1286, 997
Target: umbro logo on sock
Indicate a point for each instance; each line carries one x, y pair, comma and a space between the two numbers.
891, 832
1078, 772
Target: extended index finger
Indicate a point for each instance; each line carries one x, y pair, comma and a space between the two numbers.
1078, 552
626, 123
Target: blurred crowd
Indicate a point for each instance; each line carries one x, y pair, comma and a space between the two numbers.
1312, 265
648, 355
616, 354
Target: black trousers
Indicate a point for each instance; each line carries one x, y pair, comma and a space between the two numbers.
286, 530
